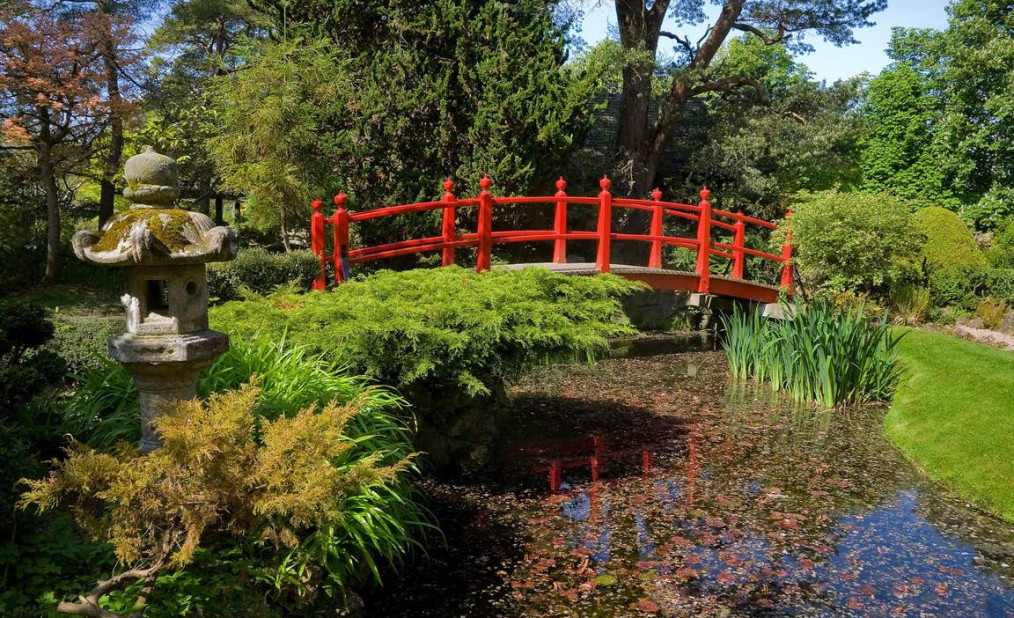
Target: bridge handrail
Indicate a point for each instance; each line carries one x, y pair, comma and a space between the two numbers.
484, 237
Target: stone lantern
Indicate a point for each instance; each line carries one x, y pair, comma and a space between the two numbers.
164, 252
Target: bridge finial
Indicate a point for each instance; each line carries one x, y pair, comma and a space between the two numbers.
705, 193
340, 199
605, 182
448, 185
656, 194
561, 184
485, 182
317, 205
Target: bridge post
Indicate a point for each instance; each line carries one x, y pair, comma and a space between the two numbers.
341, 238
739, 239
655, 259
485, 231
448, 222
786, 283
317, 243
704, 243
560, 223
605, 225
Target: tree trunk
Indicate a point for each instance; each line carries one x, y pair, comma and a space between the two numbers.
640, 141
107, 196
48, 177
639, 31
219, 205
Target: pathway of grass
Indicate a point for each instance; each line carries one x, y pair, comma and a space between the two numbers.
954, 415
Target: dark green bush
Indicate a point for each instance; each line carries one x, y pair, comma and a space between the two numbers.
854, 241
261, 272
25, 368
81, 341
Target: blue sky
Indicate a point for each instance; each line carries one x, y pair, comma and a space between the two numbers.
827, 61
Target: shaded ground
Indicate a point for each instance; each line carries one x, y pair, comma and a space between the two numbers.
710, 501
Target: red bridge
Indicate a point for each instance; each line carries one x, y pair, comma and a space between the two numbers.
483, 239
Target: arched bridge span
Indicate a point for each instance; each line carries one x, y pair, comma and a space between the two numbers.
704, 242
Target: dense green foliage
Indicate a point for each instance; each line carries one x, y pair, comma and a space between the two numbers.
952, 416
381, 522
761, 155
853, 241
309, 116
451, 325
81, 341
897, 147
25, 369
296, 483
821, 354
261, 272
273, 113
949, 247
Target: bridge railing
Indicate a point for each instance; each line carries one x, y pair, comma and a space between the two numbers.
483, 239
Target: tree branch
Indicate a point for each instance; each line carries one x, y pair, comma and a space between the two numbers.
683, 41
768, 40
731, 85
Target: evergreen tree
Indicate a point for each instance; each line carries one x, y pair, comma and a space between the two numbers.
441, 89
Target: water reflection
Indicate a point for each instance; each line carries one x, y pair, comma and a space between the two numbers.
786, 508
679, 494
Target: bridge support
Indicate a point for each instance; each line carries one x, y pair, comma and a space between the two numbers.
605, 226
655, 258
317, 243
447, 228
704, 242
485, 229
560, 223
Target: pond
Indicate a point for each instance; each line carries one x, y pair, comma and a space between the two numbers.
680, 494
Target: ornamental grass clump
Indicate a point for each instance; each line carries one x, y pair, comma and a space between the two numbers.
821, 354
291, 483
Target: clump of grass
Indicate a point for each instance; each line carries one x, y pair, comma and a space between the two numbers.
821, 354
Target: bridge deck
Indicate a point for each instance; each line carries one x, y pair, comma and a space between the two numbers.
664, 279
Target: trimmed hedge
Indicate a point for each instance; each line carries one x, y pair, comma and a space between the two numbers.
949, 248
261, 272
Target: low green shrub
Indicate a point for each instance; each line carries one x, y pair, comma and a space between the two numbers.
999, 282
910, 304
450, 325
1001, 251
949, 248
819, 354
261, 272
853, 241
81, 341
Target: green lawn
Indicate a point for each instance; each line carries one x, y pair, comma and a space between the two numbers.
954, 415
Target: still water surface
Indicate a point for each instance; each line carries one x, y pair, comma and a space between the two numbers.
682, 494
